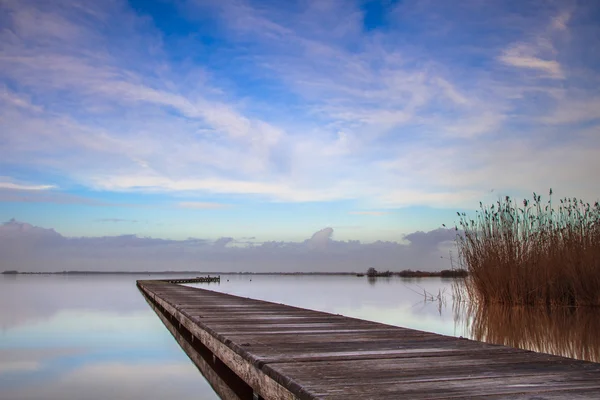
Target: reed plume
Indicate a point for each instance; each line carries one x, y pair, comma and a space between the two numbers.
534, 254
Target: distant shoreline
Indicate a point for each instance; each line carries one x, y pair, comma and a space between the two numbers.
402, 274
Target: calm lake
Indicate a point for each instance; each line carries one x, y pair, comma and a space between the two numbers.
66, 336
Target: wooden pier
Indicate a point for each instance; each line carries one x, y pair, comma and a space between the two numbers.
198, 279
276, 351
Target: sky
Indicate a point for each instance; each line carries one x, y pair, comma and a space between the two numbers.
271, 121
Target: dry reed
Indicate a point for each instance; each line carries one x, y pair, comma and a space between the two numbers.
537, 254
563, 331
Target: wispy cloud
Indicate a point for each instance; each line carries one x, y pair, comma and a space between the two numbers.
203, 205
116, 220
522, 56
310, 105
371, 213
23, 186
539, 53
560, 22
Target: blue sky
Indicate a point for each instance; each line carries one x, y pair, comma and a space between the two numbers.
273, 120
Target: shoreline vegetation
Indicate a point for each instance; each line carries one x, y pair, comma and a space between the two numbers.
403, 274
537, 254
408, 273
563, 331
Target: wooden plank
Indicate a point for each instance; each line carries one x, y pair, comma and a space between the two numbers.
220, 384
229, 354
199, 279
289, 352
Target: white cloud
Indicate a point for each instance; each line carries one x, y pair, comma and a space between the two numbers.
370, 213
476, 125
521, 57
14, 99
560, 22
452, 92
223, 242
277, 191
349, 114
49, 196
116, 220
21, 186
321, 239
574, 109
442, 198
540, 52
23, 246
202, 205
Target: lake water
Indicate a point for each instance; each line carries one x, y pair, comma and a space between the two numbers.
62, 336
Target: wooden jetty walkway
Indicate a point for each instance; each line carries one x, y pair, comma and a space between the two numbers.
283, 352
198, 279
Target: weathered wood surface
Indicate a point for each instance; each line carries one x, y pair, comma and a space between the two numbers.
199, 279
285, 352
221, 380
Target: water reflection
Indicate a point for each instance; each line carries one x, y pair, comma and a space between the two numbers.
61, 336
390, 300
223, 380
568, 332
88, 337
428, 304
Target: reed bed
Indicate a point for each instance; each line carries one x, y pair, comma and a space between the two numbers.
563, 331
534, 254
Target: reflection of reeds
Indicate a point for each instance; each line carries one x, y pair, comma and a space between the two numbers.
563, 331
537, 254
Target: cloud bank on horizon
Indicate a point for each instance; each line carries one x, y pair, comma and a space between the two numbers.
269, 119
28, 248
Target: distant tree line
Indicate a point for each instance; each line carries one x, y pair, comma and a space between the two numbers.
372, 272
408, 273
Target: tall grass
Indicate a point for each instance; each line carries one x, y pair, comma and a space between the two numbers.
534, 254
564, 331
